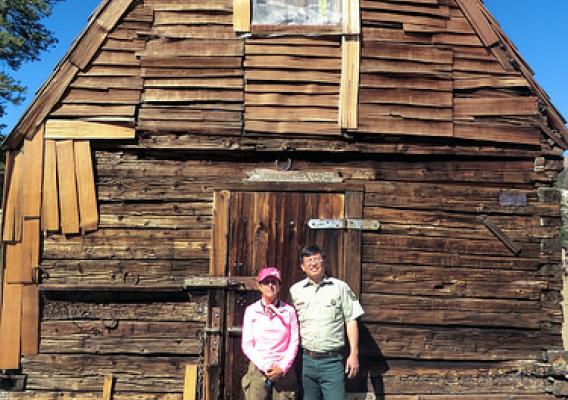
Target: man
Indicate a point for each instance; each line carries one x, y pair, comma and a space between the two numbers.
325, 306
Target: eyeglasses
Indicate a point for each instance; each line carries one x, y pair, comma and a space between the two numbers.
315, 260
270, 282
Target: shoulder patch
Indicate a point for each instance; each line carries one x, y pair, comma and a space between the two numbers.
352, 295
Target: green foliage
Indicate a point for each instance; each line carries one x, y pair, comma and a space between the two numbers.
22, 38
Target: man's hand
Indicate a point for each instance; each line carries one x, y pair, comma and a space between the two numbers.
352, 366
274, 373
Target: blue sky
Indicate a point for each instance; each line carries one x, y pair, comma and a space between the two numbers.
537, 27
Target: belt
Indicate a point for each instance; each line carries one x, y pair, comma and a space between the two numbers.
323, 354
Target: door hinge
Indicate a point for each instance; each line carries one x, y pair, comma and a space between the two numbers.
345, 223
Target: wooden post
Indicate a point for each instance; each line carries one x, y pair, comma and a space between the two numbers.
107, 387
349, 89
241, 15
190, 382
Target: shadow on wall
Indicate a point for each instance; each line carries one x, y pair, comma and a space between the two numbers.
372, 367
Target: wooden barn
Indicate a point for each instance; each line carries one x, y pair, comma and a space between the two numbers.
180, 146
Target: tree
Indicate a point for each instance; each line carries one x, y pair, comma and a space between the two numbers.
23, 37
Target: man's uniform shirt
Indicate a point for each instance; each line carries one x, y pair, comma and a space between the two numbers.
323, 311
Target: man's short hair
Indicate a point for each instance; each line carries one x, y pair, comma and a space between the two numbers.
310, 251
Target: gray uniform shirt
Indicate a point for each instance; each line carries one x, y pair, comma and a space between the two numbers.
322, 312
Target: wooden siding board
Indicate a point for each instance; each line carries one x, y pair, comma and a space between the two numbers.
33, 164
30, 320
88, 211
11, 195
50, 201
349, 87
76, 129
67, 187
10, 326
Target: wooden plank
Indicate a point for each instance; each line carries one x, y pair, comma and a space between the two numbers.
349, 89
283, 127
88, 212
292, 62
67, 187
50, 202
241, 15
489, 106
193, 47
13, 257
33, 165
498, 132
30, 319
192, 95
130, 337
474, 13
352, 243
108, 387
30, 250
76, 129
402, 126
10, 326
9, 198
292, 100
13, 218
351, 17
219, 248
190, 382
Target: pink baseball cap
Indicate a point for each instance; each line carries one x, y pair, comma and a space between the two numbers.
269, 272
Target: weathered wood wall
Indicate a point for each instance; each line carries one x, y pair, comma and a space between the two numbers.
450, 311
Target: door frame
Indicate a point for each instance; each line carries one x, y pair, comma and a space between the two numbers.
214, 344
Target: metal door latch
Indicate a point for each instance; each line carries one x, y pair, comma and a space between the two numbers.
345, 223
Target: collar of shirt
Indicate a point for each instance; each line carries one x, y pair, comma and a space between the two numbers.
269, 309
324, 281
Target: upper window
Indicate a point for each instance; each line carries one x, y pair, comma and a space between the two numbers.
296, 12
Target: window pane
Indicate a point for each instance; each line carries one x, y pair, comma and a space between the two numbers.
296, 12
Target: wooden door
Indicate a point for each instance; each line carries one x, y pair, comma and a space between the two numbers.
270, 229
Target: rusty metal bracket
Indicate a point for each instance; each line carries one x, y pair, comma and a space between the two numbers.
499, 234
345, 223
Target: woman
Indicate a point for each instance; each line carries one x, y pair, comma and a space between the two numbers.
270, 341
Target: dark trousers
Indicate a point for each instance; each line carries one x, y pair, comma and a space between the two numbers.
323, 378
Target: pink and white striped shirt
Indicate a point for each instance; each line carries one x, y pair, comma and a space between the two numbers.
270, 335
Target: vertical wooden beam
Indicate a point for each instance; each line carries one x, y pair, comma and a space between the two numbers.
218, 258
67, 187
107, 387
33, 167
30, 319
29, 258
10, 326
349, 89
351, 17
13, 262
30, 290
241, 15
190, 382
13, 211
50, 202
88, 212
352, 242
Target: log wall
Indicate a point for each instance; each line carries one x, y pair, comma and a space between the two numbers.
450, 311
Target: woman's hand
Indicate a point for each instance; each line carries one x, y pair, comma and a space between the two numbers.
274, 373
